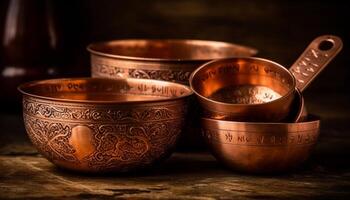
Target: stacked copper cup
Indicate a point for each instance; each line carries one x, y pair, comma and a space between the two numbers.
253, 113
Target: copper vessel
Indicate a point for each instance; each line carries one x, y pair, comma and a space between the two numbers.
256, 89
255, 147
167, 59
103, 125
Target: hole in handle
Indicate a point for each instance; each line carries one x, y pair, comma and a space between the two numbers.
326, 45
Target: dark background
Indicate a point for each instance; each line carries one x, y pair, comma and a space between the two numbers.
280, 30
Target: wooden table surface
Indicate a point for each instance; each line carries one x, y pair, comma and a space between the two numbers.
24, 174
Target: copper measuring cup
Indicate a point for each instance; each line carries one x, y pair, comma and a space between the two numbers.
256, 89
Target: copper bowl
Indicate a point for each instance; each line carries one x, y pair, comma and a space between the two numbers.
167, 59
103, 125
244, 89
254, 147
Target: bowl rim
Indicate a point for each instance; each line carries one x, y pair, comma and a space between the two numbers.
214, 102
311, 120
92, 49
22, 89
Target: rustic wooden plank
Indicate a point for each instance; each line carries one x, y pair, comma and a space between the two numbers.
184, 176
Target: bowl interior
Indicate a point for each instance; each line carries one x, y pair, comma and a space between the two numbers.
105, 90
242, 81
171, 49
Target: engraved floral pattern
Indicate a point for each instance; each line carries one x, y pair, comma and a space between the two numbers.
51, 139
123, 139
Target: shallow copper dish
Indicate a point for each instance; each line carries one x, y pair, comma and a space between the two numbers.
102, 125
261, 147
167, 59
256, 89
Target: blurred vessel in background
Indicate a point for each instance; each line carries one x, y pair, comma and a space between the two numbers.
35, 43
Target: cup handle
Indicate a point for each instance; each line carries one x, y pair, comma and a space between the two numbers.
314, 59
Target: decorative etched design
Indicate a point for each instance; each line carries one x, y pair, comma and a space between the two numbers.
231, 137
308, 65
51, 139
167, 75
118, 139
245, 94
110, 71
110, 114
314, 59
132, 145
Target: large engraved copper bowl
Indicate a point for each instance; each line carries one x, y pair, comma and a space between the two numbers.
162, 59
255, 147
103, 125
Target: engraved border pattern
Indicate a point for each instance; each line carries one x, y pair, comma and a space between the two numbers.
110, 71
87, 112
307, 137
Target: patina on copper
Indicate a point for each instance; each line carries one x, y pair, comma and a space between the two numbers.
103, 125
256, 89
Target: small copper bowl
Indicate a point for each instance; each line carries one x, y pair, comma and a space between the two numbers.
103, 125
244, 89
254, 147
167, 59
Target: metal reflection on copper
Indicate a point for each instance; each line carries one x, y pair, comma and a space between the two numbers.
246, 94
